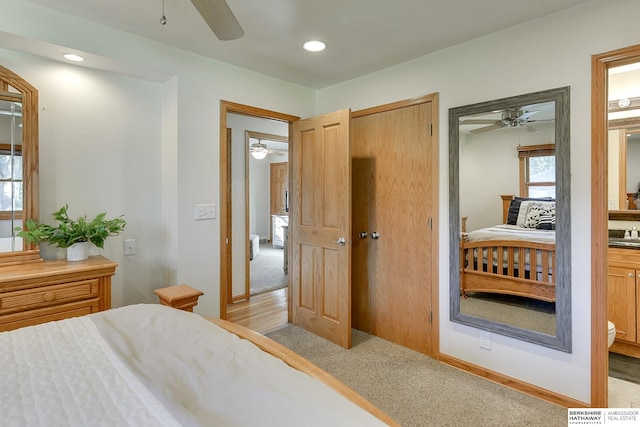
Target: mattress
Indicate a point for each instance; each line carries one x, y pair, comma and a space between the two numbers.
149, 364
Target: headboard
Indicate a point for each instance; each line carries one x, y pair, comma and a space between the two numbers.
506, 202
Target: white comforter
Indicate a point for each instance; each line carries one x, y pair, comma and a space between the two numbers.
512, 232
153, 365
64, 373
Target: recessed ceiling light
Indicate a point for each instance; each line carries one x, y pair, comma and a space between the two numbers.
73, 57
315, 46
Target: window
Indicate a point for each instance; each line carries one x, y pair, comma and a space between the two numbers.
11, 197
537, 170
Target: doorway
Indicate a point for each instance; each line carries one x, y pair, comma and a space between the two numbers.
227, 219
600, 66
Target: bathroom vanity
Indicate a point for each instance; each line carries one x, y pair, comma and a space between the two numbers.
623, 299
277, 223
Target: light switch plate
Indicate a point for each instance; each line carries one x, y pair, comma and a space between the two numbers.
129, 246
204, 212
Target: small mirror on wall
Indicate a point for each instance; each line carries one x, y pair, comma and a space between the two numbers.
509, 200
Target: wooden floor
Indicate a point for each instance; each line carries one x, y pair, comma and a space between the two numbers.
262, 313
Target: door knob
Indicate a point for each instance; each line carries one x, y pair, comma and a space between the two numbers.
363, 234
341, 241
375, 235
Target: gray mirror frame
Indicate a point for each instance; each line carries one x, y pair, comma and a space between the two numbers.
562, 339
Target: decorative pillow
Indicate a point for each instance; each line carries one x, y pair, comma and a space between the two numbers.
532, 211
514, 207
547, 219
547, 222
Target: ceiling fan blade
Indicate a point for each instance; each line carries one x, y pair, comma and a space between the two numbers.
276, 153
530, 129
486, 129
526, 115
219, 17
478, 122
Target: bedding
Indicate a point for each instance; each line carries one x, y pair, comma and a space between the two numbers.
500, 259
149, 364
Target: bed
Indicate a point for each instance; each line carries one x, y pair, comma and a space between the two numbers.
152, 365
513, 258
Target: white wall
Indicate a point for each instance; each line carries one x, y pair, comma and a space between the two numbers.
100, 151
550, 52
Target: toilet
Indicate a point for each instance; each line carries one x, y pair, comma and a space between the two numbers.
611, 334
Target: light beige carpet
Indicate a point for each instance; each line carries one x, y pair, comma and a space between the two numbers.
416, 390
266, 272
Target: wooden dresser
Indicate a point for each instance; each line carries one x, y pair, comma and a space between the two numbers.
43, 291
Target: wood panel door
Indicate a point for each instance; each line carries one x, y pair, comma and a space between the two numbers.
279, 184
393, 196
320, 226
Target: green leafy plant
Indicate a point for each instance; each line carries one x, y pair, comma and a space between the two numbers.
69, 231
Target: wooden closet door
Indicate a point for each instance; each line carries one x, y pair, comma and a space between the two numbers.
392, 196
279, 182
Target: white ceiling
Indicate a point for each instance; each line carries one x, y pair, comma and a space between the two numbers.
362, 35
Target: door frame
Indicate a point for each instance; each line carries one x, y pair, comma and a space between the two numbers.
226, 238
600, 65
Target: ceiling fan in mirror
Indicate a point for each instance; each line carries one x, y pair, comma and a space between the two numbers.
218, 16
510, 119
259, 150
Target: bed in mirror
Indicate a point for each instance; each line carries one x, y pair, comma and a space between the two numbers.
510, 217
18, 165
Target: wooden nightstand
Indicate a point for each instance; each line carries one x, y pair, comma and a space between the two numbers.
182, 297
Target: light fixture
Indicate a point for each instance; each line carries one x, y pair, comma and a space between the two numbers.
624, 102
73, 57
315, 46
259, 151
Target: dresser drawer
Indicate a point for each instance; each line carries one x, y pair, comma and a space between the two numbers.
48, 314
47, 296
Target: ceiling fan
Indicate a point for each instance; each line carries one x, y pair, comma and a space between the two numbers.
259, 150
510, 119
219, 17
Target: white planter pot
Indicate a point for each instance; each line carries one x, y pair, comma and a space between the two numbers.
78, 251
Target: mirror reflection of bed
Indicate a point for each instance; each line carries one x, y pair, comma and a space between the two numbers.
507, 207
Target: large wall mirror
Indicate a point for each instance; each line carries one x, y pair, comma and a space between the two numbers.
18, 164
510, 217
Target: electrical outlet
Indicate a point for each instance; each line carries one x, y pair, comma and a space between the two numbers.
485, 340
129, 246
205, 212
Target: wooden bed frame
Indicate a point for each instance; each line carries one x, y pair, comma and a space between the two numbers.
509, 279
301, 364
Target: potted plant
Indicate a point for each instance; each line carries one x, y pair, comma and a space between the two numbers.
74, 235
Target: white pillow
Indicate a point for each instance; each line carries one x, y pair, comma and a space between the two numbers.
531, 211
